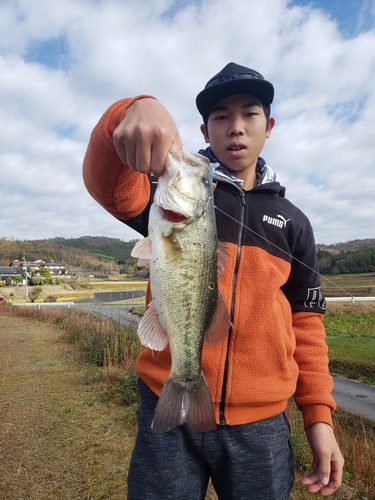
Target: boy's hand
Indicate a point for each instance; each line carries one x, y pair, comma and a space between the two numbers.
325, 474
144, 137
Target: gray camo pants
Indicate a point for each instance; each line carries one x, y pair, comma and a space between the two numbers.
245, 462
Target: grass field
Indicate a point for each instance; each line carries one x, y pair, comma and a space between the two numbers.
349, 285
350, 331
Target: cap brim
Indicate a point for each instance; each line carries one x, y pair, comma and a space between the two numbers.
210, 96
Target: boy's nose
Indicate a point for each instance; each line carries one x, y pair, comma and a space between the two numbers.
236, 126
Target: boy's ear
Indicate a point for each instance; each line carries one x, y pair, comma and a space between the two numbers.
271, 124
205, 133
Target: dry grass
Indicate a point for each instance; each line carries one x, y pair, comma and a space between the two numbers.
57, 440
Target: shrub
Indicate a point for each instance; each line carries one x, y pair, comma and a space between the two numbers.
51, 298
35, 293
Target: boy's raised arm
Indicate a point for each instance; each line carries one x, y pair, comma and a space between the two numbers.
132, 137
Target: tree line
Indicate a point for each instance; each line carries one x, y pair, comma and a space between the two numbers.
359, 261
100, 254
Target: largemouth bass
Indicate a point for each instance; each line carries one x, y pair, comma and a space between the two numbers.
186, 306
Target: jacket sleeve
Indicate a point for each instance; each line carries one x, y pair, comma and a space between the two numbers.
313, 395
121, 191
314, 386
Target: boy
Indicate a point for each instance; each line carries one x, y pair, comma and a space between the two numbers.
276, 347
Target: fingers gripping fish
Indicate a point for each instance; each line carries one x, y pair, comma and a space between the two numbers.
187, 307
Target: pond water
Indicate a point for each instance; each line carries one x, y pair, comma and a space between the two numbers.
116, 296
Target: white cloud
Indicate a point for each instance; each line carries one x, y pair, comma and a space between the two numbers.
322, 146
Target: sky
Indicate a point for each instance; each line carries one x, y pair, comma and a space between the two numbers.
63, 63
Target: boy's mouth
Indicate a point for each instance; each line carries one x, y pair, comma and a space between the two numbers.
235, 147
236, 150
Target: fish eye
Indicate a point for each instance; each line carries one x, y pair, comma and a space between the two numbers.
205, 180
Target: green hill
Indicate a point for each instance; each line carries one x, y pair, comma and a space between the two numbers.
103, 254
111, 248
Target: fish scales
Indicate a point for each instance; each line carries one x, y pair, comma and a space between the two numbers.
186, 303
183, 283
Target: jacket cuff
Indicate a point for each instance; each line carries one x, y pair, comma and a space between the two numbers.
312, 414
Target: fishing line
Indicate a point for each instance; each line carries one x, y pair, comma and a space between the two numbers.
291, 256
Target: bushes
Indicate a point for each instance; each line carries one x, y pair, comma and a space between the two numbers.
51, 298
103, 342
354, 369
35, 293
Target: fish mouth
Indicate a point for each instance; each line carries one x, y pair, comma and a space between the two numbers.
171, 216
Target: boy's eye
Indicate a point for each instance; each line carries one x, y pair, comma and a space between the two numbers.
220, 117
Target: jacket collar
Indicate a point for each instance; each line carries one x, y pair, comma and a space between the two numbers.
264, 173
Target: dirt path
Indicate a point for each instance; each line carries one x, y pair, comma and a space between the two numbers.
56, 440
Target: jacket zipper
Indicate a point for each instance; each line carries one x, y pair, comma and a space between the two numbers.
234, 282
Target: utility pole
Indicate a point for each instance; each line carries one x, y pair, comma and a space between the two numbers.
26, 288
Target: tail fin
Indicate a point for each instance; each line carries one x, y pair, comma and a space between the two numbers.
178, 404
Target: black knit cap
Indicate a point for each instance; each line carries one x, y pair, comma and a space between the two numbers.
233, 79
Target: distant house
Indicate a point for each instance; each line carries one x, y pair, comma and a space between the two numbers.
36, 265
54, 267
11, 272
33, 267
16, 263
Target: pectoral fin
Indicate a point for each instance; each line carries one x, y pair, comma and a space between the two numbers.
150, 332
142, 250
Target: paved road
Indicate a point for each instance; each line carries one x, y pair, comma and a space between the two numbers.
118, 313
354, 396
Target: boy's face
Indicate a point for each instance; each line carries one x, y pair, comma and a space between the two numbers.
237, 130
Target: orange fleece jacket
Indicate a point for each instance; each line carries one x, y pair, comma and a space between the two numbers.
273, 352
